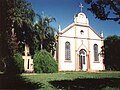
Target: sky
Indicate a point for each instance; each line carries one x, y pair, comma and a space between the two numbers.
64, 10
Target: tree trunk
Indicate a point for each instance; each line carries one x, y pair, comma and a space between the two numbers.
41, 46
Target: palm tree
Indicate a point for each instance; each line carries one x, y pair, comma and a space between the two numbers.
44, 29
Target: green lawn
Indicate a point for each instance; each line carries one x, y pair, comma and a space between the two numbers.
76, 80
62, 81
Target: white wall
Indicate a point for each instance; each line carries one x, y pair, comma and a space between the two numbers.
66, 65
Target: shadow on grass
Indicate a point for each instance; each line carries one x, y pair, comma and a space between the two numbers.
17, 82
86, 84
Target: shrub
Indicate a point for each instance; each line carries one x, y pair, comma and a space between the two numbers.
44, 62
19, 63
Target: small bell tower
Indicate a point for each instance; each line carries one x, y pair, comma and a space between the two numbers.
81, 18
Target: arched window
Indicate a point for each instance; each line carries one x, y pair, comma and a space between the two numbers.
95, 52
67, 51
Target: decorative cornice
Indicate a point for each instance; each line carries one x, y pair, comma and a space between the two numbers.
81, 38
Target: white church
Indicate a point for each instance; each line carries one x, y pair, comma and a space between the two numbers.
79, 46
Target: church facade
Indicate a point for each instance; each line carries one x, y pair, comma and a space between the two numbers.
79, 46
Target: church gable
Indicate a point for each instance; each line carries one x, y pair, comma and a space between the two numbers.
80, 28
80, 31
68, 31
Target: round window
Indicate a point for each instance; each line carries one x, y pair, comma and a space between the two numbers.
81, 31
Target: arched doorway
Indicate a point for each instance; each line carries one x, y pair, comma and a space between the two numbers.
82, 60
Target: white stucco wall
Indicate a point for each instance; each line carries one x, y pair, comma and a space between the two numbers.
26, 69
96, 65
66, 65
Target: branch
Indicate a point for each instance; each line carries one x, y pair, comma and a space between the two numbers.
114, 7
115, 19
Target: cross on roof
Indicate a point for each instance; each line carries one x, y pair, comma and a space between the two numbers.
81, 6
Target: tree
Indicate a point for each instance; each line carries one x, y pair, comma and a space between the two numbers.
105, 9
6, 37
17, 13
23, 18
44, 62
112, 50
23, 13
45, 32
3, 39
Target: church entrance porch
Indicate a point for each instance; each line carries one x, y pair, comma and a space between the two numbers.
82, 60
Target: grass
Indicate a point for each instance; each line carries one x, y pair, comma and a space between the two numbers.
76, 80
108, 80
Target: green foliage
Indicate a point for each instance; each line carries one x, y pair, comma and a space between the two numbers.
23, 13
23, 24
45, 33
104, 9
19, 63
112, 52
44, 62
14, 64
